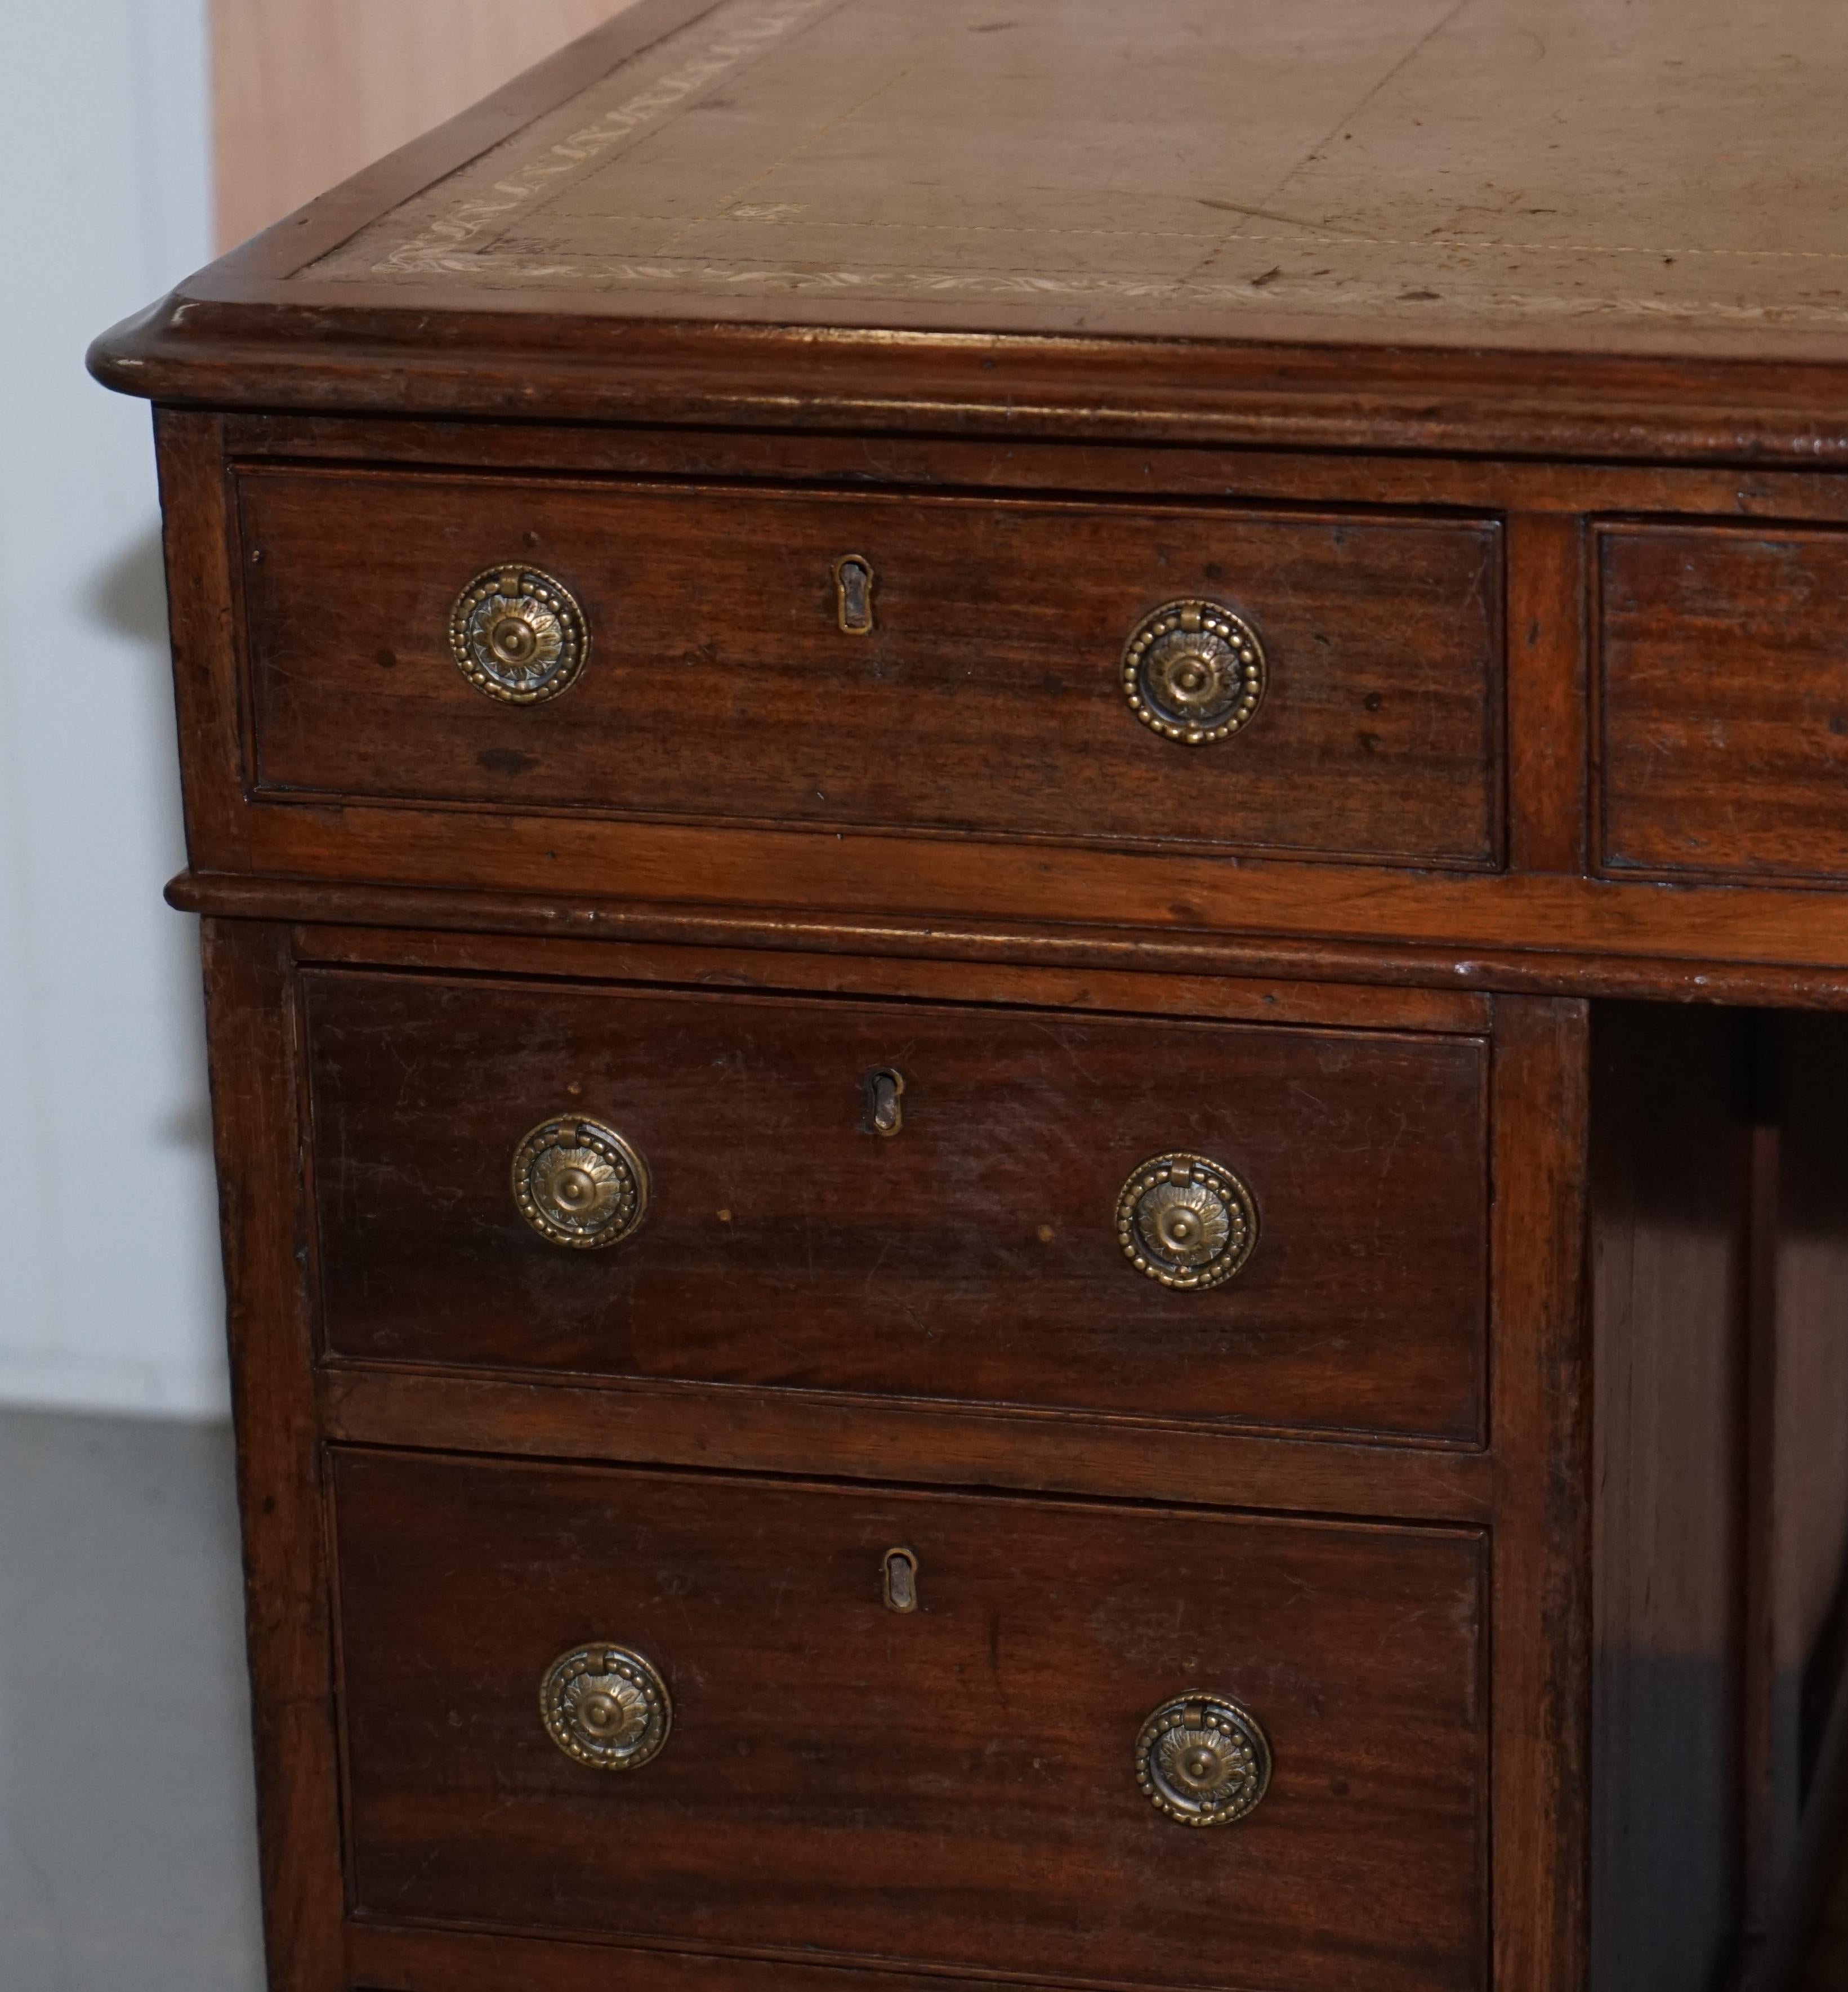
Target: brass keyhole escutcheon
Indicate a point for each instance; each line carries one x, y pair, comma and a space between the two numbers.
882, 1090
854, 579
899, 1570
1203, 1760
1186, 1221
518, 635
579, 1183
1195, 672
606, 1706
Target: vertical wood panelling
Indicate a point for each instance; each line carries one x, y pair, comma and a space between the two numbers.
1541, 1419
305, 92
1805, 1540
288, 1623
1546, 733
1671, 1164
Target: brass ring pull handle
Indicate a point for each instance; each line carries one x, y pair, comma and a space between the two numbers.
579, 1183
1203, 1760
606, 1707
1195, 672
518, 635
1186, 1221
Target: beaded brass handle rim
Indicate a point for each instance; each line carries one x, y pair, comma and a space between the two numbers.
1203, 1759
1194, 671
578, 1183
606, 1707
1186, 1221
519, 635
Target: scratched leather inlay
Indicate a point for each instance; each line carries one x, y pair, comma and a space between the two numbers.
1147, 169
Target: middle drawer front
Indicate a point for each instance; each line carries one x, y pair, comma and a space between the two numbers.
957, 1785
975, 1252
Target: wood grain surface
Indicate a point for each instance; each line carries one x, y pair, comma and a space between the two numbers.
255, 1048
955, 1786
1545, 924
1725, 702
987, 697
972, 1256
1541, 1423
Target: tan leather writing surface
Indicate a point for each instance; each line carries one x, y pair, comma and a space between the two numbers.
1419, 166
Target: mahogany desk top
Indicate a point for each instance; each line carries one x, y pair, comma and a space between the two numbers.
1441, 239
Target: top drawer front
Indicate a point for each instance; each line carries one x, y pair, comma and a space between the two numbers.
1725, 695
987, 696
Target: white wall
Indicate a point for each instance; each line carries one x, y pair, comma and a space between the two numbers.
109, 1292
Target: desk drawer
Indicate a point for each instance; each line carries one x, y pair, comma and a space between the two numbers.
1725, 701
967, 675
1329, 1270
786, 1764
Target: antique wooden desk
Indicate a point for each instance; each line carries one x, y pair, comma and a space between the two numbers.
1024, 827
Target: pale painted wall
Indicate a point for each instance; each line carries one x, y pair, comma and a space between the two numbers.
308, 91
109, 1286
109, 1289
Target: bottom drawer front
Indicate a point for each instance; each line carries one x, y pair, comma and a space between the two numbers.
955, 1784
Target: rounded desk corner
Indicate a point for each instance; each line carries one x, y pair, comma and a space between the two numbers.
185, 893
126, 358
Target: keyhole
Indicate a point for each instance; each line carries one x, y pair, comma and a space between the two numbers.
901, 1580
883, 1088
853, 594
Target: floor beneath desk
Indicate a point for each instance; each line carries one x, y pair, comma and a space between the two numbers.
127, 1860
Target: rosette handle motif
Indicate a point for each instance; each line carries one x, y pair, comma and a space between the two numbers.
1195, 672
1203, 1760
578, 1183
606, 1707
1186, 1221
518, 635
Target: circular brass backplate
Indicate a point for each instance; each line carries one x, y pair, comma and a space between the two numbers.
606, 1707
579, 1183
518, 635
1186, 1220
1194, 671
1203, 1760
